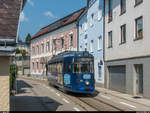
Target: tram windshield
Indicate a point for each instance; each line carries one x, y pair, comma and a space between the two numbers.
85, 66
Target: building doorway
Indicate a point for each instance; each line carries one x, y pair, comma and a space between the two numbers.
139, 79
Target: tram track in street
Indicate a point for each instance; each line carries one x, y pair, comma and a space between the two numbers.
91, 102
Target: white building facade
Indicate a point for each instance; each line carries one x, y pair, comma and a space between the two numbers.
127, 52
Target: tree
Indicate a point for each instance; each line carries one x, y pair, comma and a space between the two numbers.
28, 39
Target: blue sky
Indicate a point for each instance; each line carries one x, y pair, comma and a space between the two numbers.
39, 13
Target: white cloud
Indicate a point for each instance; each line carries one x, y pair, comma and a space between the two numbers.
31, 2
23, 18
50, 14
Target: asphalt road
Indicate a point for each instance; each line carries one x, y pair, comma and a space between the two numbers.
34, 95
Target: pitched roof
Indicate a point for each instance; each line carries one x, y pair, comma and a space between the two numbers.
9, 16
60, 23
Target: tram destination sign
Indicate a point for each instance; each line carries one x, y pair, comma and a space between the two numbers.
84, 59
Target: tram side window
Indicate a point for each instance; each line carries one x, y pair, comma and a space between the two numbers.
76, 68
69, 67
53, 68
59, 67
64, 67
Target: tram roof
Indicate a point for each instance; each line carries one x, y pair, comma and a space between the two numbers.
69, 54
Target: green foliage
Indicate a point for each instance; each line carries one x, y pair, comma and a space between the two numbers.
28, 39
23, 52
29, 75
13, 71
17, 51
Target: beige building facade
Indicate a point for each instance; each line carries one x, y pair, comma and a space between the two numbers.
9, 19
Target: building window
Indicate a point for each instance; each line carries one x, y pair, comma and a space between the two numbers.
32, 65
54, 44
37, 49
123, 34
37, 66
48, 46
33, 51
92, 19
99, 13
92, 46
123, 6
99, 72
81, 29
42, 48
139, 28
71, 40
110, 44
91, 2
86, 46
85, 25
80, 48
137, 2
41, 67
99, 43
62, 42
110, 12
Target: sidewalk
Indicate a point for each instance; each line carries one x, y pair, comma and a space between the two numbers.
127, 97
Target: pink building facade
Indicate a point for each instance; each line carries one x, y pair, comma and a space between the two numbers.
48, 42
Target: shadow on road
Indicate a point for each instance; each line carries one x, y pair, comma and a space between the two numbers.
94, 94
26, 100
31, 103
21, 85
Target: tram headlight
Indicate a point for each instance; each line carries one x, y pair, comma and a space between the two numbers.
87, 83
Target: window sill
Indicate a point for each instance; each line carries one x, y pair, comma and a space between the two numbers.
110, 47
137, 4
122, 13
92, 51
100, 49
99, 19
91, 25
122, 43
138, 39
109, 21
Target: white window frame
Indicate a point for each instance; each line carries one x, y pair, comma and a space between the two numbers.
48, 46
100, 13
92, 46
92, 19
99, 40
80, 28
85, 25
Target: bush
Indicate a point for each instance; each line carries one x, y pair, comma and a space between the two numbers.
13, 70
29, 75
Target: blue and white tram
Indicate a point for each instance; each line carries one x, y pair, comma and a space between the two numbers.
72, 71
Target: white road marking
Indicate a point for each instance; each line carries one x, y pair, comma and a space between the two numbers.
58, 94
105, 97
65, 100
47, 87
76, 109
127, 104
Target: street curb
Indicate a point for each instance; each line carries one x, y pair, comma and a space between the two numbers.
123, 98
